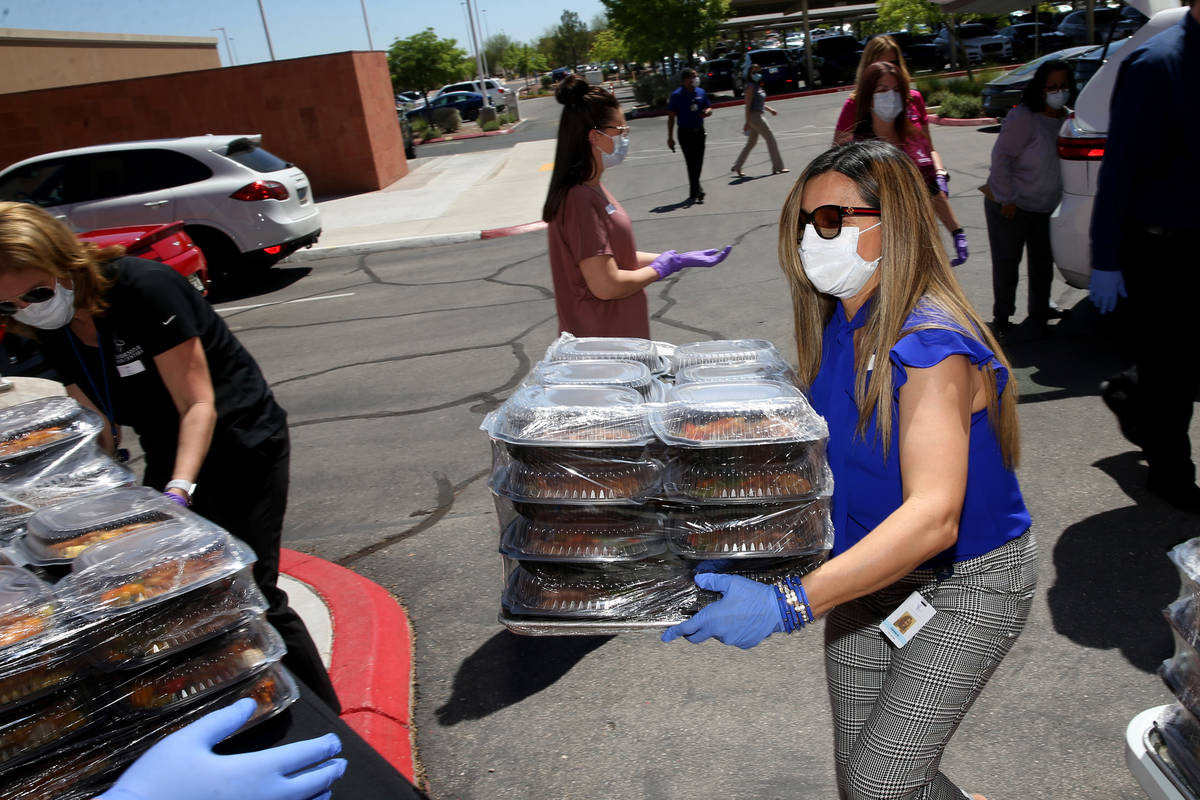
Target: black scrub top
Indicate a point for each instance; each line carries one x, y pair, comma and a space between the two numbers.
151, 309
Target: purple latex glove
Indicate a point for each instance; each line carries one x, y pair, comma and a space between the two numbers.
747, 614
670, 262
960, 248
1104, 288
183, 766
178, 498
943, 183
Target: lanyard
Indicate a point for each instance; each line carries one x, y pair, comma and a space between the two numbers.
108, 403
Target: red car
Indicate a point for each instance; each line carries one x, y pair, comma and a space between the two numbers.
166, 243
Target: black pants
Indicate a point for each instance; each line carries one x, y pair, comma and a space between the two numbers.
368, 774
1162, 281
244, 490
691, 142
1028, 231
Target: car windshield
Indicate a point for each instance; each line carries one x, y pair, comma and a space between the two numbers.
973, 31
770, 57
250, 154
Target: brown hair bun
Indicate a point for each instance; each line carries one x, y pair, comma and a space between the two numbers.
571, 90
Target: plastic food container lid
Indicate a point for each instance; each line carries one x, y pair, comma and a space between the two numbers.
570, 348
27, 607
571, 415
727, 373
33, 426
150, 566
596, 371
738, 413
723, 351
58, 533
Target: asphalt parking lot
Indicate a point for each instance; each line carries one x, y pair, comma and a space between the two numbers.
387, 364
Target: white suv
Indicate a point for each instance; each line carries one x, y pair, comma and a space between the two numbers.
238, 202
497, 93
1081, 141
978, 41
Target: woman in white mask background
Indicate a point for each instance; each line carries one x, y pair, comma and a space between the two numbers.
883, 100
599, 274
1023, 188
134, 341
923, 442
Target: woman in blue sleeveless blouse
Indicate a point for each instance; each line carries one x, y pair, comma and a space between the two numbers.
923, 441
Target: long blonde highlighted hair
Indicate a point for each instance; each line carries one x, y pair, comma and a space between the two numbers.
913, 269
873, 51
32, 239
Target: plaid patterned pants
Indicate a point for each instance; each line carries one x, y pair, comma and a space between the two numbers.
894, 709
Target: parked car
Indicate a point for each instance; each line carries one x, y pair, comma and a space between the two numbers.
1089, 62
1028, 37
406, 135
1081, 143
1074, 25
240, 203
779, 73
797, 54
717, 75
496, 93
978, 41
839, 54
919, 49
1002, 94
407, 101
558, 73
168, 243
467, 103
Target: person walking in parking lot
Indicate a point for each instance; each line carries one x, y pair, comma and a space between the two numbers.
1144, 245
755, 125
688, 105
599, 275
1024, 186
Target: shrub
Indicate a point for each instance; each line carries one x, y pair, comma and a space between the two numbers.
961, 106
490, 125
448, 119
505, 119
420, 128
547, 81
652, 90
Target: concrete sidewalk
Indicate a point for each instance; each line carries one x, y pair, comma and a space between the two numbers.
443, 199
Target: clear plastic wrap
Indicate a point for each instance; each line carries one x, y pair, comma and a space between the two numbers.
569, 348
703, 415
573, 477
150, 566
47, 480
217, 664
33, 729
1186, 558
58, 533
1180, 732
708, 531
30, 429
143, 636
1181, 672
723, 351
598, 372
571, 416
743, 371
562, 534
38, 645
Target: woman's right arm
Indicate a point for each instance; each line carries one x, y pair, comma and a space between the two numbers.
605, 278
107, 442
1012, 140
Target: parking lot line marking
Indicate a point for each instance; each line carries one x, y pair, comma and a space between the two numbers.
283, 302
549, 165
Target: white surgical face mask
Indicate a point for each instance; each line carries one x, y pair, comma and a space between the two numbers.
887, 105
834, 265
620, 150
1057, 100
50, 314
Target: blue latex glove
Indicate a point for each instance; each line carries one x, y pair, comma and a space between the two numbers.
183, 766
1105, 287
943, 183
670, 262
747, 614
960, 248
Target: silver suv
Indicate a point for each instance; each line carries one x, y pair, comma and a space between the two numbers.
239, 203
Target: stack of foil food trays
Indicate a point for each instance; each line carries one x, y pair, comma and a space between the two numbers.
122, 616
611, 496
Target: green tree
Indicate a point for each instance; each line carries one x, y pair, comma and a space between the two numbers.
652, 29
572, 39
897, 15
424, 62
495, 49
607, 46
529, 60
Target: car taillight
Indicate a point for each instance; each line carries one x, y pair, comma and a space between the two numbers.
1088, 149
261, 190
273, 249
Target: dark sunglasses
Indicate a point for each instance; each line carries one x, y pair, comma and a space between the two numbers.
38, 294
828, 219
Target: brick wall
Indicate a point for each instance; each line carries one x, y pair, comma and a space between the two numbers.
334, 116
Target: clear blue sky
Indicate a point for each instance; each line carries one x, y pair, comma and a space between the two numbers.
298, 27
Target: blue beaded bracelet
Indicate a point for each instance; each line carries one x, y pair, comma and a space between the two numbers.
798, 586
788, 626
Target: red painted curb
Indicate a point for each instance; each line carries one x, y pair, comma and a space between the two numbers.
962, 123
513, 230
371, 666
466, 136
